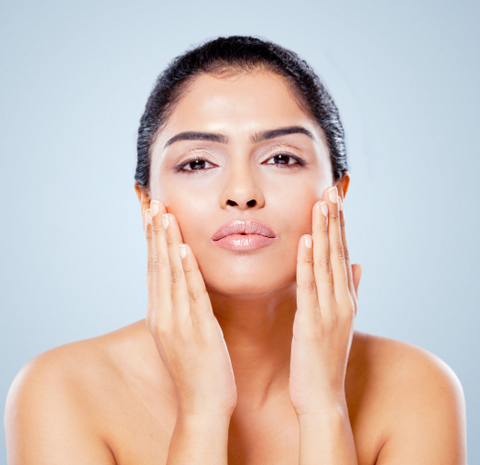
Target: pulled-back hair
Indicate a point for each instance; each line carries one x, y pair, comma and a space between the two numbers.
227, 56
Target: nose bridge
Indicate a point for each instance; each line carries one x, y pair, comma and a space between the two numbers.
242, 185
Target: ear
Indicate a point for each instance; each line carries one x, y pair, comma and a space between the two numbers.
342, 185
144, 198
357, 274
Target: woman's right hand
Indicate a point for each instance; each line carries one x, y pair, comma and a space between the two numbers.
181, 320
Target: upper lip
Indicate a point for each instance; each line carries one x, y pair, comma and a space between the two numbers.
243, 226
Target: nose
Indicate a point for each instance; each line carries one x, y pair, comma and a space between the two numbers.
242, 189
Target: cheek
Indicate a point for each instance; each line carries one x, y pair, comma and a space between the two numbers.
288, 209
187, 204
192, 219
294, 206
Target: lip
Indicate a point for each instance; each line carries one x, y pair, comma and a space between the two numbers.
243, 235
243, 227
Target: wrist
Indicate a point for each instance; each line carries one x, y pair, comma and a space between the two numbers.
327, 409
203, 417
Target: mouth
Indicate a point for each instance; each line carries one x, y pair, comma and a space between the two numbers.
243, 235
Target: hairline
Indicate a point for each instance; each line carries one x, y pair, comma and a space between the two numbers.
227, 71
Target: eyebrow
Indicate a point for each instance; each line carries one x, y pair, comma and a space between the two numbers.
255, 139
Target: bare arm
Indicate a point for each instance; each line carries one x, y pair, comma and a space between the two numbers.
199, 440
190, 342
322, 334
425, 414
327, 438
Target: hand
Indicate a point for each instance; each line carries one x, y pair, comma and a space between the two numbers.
181, 321
327, 287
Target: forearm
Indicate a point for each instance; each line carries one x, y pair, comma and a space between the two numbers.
327, 438
198, 440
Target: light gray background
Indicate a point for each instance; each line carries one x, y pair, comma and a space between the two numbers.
75, 78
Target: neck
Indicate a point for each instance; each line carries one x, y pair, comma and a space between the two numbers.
258, 334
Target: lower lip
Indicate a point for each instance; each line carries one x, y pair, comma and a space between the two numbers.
244, 241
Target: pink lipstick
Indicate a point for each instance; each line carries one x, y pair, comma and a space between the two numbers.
243, 235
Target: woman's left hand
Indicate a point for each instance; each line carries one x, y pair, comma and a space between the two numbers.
326, 308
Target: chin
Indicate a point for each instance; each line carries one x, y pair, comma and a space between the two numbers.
248, 285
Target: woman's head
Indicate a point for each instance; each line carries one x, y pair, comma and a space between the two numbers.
235, 55
235, 140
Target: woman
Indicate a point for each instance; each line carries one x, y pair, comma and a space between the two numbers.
248, 353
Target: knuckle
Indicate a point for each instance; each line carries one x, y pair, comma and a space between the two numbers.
176, 275
340, 252
159, 263
309, 286
161, 332
196, 295
169, 239
308, 259
332, 322
348, 311
188, 269
335, 217
325, 265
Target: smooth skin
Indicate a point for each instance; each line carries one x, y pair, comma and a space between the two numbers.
244, 357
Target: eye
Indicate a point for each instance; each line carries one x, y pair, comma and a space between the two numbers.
284, 160
194, 165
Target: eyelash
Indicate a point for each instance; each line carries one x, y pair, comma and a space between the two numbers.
300, 162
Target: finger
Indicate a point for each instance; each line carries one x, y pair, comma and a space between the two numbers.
307, 300
178, 283
160, 266
149, 277
337, 253
351, 286
200, 304
321, 253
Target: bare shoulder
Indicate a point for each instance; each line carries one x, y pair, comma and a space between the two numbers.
401, 363
420, 399
74, 366
53, 402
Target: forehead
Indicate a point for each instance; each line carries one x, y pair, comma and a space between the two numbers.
238, 104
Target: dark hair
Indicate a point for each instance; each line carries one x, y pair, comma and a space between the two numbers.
226, 56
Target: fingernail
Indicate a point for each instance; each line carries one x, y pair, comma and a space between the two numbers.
165, 221
148, 218
154, 207
308, 241
332, 193
182, 250
324, 208
340, 204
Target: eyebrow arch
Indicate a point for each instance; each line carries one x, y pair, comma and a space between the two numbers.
255, 139
260, 137
190, 135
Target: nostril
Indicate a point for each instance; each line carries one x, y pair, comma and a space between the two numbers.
250, 203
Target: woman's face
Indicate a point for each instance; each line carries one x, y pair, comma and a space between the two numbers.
244, 176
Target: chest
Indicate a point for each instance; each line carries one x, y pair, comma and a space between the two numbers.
138, 420
140, 434
145, 440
